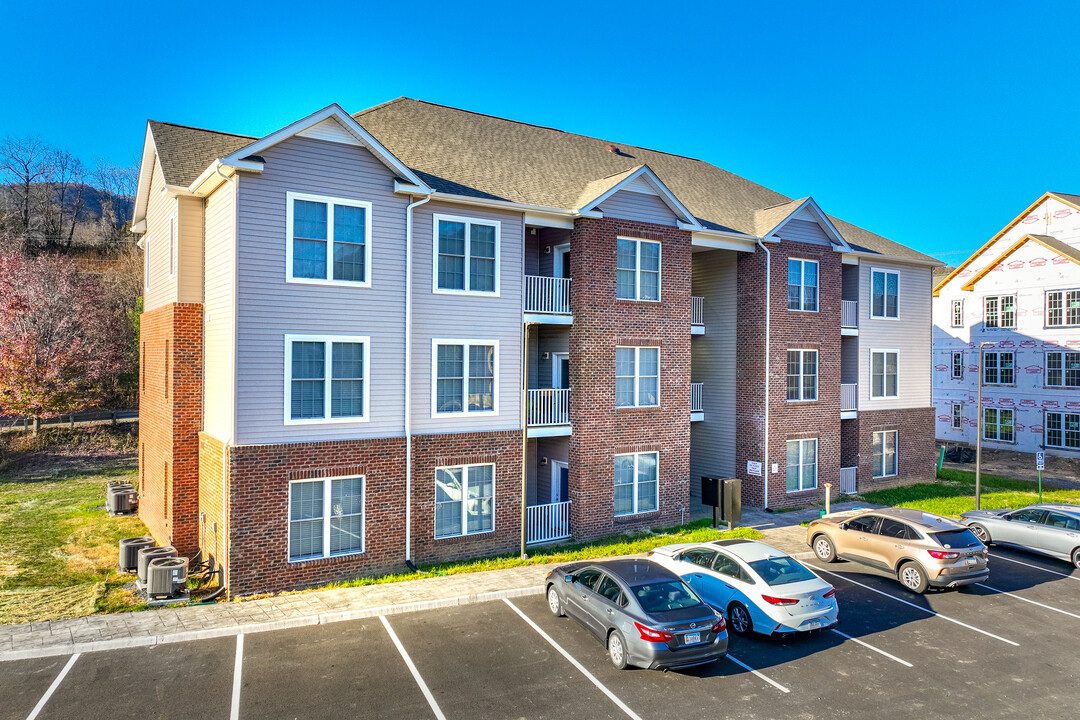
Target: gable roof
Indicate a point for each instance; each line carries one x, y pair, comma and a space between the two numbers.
1048, 242
771, 220
184, 152
610, 185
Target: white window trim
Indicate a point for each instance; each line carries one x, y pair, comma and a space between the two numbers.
952, 415
817, 365
465, 412
883, 366
1064, 310
637, 375
637, 269
952, 364
464, 501
328, 378
801, 463
886, 273
999, 353
952, 312
469, 222
330, 202
1015, 311
896, 454
1046, 430
172, 245
998, 423
635, 483
803, 286
326, 520
1046, 368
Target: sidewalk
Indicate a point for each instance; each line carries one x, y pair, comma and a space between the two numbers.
153, 627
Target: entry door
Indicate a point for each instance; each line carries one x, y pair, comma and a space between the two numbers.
560, 481
560, 370
562, 261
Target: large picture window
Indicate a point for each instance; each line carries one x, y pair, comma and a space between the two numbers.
466, 255
998, 368
998, 425
885, 453
1063, 369
329, 240
1063, 430
326, 379
801, 465
464, 500
999, 311
637, 376
326, 517
883, 373
637, 269
884, 294
465, 376
637, 483
1062, 308
802, 371
802, 289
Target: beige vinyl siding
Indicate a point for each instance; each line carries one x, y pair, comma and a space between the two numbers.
270, 308
189, 235
638, 206
909, 333
162, 289
219, 331
468, 317
805, 231
712, 441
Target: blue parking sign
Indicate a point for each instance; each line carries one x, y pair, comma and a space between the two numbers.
1040, 461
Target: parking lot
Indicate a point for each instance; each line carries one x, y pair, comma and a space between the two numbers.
1004, 649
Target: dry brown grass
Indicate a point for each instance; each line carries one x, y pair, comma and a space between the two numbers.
20, 606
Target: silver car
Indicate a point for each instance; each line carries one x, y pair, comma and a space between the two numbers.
644, 614
1050, 529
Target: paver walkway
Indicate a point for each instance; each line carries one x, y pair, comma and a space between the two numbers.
152, 627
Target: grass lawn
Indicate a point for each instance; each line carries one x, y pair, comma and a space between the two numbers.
954, 493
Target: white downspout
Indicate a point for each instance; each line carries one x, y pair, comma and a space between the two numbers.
768, 301
408, 374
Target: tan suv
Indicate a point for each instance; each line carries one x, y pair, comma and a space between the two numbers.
921, 549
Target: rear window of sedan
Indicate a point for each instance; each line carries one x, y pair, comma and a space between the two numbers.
781, 571
955, 538
665, 595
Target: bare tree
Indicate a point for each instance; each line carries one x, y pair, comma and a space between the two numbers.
65, 199
118, 183
25, 162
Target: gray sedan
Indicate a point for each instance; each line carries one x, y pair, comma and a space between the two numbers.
1050, 529
643, 613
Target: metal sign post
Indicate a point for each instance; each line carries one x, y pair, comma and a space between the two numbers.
1040, 465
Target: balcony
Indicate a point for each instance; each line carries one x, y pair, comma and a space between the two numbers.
697, 316
849, 401
547, 523
547, 412
547, 300
847, 480
697, 405
849, 317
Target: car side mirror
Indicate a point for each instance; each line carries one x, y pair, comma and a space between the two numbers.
677, 556
843, 526
569, 578
1006, 517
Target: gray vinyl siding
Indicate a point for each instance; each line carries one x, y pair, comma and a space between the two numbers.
638, 206
804, 231
467, 317
161, 289
554, 449
270, 308
712, 441
219, 331
552, 339
849, 359
189, 231
910, 333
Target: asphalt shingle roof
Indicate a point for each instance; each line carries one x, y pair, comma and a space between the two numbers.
184, 152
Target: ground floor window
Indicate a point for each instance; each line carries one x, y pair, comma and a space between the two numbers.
464, 500
957, 416
1063, 430
637, 485
885, 453
998, 425
326, 517
801, 465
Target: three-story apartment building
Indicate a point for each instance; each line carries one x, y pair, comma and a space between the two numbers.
424, 334
1018, 298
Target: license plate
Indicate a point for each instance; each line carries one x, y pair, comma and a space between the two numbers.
971, 561
691, 638
812, 625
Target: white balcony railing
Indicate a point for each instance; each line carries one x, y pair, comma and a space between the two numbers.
696, 400
849, 396
549, 406
547, 295
849, 314
545, 523
697, 311
847, 480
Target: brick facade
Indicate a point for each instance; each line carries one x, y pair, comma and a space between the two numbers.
600, 324
916, 447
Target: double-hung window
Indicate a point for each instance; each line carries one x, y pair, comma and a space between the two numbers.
998, 368
958, 365
465, 376
637, 269
802, 285
464, 500
957, 416
466, 255
801, 465
326, 379
1063, 369
999, 311
802, 371
329, 240
326, 517
998, 424
1063, 430
884, 294
637, 376
885, 453
883, 373
958, 313
637, 483
1062, 308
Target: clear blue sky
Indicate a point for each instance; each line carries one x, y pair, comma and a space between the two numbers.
932, 123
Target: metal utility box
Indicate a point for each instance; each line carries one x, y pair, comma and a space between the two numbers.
710, 491
731, 500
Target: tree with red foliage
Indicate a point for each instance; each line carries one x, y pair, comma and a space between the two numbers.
60, 346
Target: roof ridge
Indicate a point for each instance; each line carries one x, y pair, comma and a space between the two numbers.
399, 98
192, 127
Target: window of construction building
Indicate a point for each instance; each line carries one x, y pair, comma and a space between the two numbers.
958, 313
802, 373
957, 416
802, 288
998, 368
464, 377
637, 483
998, 424
801, 465
1063, 430
637, 269
466, 255
464, 500
326, 517
329, 240
326, 379
1062, 308
999, 311
958, 365
884, 294
1063, 369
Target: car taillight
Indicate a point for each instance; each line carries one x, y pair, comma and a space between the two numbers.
719, 627
647, 633
942, 555
778, 601
830, 593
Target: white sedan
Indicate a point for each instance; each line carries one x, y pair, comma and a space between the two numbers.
757, 586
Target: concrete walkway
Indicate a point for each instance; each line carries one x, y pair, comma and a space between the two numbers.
168, 625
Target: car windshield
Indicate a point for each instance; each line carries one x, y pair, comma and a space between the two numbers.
665, 595
781, 571
955, 538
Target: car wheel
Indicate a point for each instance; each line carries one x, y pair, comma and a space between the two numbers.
913, 578
739, 617
1076, 557
554, 604
980, 532
616, 648
824, 549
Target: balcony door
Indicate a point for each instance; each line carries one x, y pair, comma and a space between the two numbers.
560, 370
561, 258
560, 480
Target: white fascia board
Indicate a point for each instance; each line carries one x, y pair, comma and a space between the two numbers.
543, 219
209, 179
666, 195
742, 244
849, 258
893, 259
146, 168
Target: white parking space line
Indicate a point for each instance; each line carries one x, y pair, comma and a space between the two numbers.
1035, 567
574, 662
238, 670
52, 688
925, 610
1018, 597
871, 647
412, 668
764, 677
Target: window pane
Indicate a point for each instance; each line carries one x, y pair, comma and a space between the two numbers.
349, 262
793, 367
624, 484
448, 394
624, 392
624, 284
650, 257
309, 259
451, 272
305, 539
810, 298
482, 275
794, 297
809, 388
305, 515
626, 255
480, 505
793, 468
647, 470
481, 377
810, 274
306, 500
648, 391
451, 361
624, 361
350, 224
308, 386
890, 374
309, 220
646, 497
451, 238
448, 485
650, 285
649, 359
482, 242
451, 255
347, 522
794, 272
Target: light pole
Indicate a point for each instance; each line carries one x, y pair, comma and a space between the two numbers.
979, 431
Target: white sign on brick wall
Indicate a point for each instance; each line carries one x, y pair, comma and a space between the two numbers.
753, 467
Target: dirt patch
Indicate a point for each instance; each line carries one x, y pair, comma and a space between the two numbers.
1060, 472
